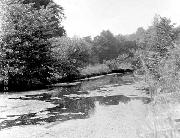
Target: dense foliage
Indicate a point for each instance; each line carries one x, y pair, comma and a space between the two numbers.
25, 49
70, 54
56, 17
108, 47
159, 56
35, 51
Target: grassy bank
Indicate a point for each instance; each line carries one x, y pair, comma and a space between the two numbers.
92, 71
86, 72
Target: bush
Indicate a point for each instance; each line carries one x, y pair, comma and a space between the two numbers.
69, 55
159, 57
121, 62
95, 69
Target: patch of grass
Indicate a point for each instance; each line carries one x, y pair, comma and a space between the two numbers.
115, 64
95, 69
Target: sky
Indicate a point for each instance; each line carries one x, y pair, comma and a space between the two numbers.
90, 17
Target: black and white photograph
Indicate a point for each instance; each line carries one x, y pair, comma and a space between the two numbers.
89, 69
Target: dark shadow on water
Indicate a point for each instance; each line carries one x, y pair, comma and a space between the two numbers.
68, 108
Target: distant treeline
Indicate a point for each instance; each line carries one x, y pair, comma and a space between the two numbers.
35, 50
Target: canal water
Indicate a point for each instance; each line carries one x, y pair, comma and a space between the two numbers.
110, 106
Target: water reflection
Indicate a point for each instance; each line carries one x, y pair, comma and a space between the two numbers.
67, 108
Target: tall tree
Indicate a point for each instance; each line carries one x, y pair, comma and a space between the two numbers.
106, 45
25, 49
70, 54
156, 50
57, 10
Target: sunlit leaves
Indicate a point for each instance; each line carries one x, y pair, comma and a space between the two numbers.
24, 41
157, 56
70, 54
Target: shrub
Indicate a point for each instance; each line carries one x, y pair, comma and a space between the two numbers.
95, 69
69, 55
158, 57
121, 62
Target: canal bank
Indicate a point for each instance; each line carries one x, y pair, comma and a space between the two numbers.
113, 106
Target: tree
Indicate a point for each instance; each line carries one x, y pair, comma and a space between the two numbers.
56, 17
56, 10
70, 54
106, 45
156, 49
26, 57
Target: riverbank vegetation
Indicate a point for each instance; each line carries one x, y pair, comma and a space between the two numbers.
35, 50
158, 57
